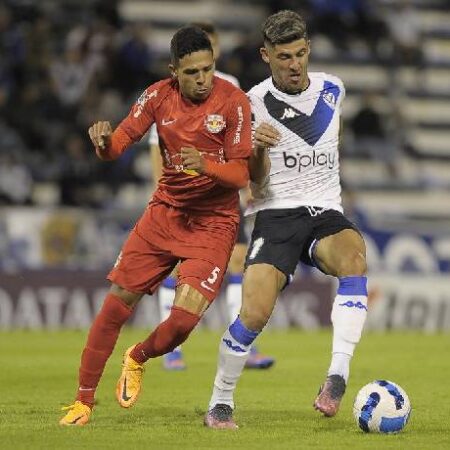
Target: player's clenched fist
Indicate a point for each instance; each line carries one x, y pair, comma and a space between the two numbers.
100, 134
266, 136
192, 160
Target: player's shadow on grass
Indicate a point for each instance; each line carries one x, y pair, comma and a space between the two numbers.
157, 416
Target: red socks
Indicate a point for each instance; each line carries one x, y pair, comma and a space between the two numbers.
168, 335
105, 331
99, 346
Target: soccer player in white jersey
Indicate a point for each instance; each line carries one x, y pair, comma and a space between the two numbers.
295, 173
233, 295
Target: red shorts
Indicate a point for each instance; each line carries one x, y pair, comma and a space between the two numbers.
165, 235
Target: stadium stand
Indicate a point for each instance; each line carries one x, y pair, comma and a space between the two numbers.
66, 63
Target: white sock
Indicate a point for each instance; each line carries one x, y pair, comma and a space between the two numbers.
348, 317
340, 365
232, 358
166, 296
234, 295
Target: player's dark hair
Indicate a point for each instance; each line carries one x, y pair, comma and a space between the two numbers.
284, 27
187, 40
207, 27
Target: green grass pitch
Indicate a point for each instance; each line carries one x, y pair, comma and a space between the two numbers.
39, 371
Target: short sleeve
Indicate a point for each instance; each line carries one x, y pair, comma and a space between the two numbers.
238, 135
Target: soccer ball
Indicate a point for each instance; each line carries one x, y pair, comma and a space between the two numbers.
381, 407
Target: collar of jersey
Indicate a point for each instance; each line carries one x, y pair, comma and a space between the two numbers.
286, 93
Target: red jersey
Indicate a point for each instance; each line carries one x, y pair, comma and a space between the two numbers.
219, 127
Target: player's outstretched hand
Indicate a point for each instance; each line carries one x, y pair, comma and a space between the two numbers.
266, 136
192, 159
100, 134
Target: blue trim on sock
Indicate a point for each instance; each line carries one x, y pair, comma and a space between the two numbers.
235, 278
242, 334
352, 286
170, 283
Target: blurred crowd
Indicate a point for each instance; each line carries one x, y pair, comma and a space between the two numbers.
64, 67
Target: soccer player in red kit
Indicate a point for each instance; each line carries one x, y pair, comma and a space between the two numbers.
205, 132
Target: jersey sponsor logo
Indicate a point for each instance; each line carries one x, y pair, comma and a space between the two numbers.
237, 134
308, 127
304, 161
174, 161
142, 100
214, 123
288, 113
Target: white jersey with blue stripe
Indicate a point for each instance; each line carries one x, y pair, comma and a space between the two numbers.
305, 163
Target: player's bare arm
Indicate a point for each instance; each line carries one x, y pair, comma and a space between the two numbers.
266, 136
100, 134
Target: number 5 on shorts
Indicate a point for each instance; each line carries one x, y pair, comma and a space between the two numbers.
206, 284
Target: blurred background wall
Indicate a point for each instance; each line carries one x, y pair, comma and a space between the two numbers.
64, 214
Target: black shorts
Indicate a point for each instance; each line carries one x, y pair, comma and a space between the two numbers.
283, 237
242, 235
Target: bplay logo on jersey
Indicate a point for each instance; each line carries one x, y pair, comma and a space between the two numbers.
304, 161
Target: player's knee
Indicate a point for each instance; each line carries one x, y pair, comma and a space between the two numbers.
352, 264
130, 299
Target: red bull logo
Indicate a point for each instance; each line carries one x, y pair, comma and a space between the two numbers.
214, 123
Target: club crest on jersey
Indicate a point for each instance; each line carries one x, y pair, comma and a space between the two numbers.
214, 123
330, 99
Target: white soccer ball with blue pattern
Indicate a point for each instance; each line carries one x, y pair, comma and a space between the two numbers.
382, 407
